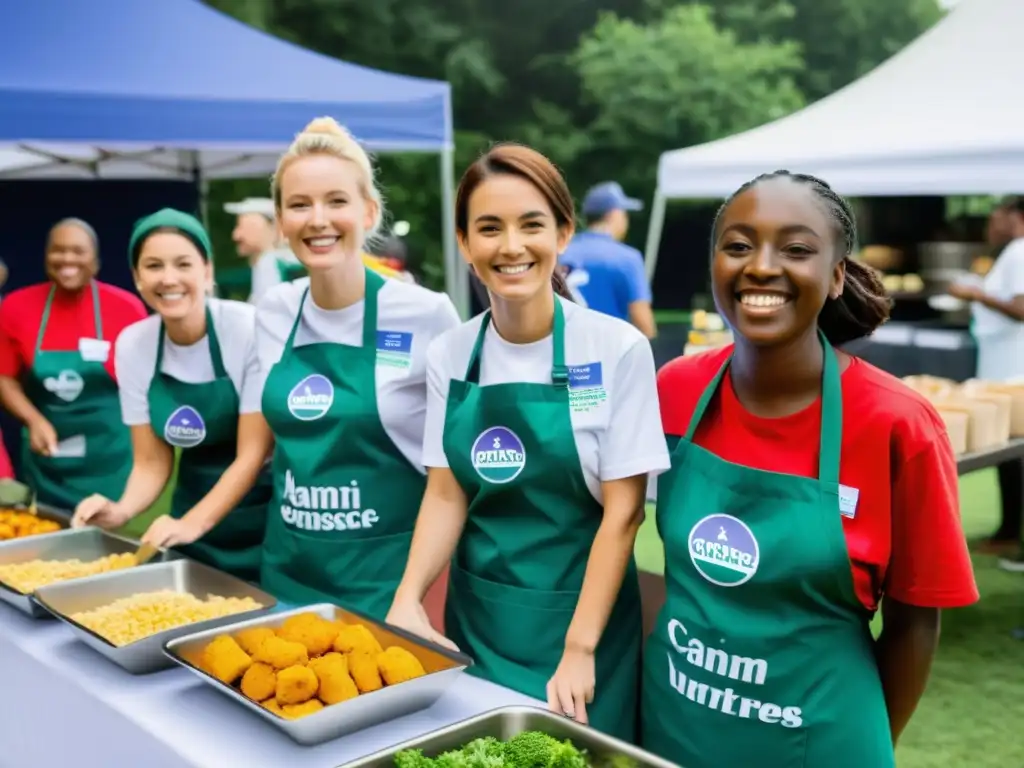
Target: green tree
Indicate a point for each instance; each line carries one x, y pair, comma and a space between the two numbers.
677, 80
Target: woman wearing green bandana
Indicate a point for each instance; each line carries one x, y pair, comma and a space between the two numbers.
189, 380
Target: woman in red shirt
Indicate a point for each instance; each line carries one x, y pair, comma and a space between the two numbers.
57, 372
806, 485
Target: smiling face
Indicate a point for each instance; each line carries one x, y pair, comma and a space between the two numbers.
777, 259
171, 275
325, 213
513, 238
71, 257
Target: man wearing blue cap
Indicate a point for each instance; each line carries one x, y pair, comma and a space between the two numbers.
604, 273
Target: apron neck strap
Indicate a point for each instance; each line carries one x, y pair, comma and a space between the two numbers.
219, 371
559, 371
97, 318
831, 435
374, 283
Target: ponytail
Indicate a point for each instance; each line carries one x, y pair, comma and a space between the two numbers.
559, 285
862, 307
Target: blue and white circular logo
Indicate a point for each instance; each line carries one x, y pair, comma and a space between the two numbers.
723, 549
311, 398
185, 428
498, 455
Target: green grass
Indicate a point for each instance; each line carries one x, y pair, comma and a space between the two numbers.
972, 712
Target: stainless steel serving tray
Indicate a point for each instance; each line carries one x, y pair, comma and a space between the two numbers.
79, 543
369, 709
185, 576
506, 722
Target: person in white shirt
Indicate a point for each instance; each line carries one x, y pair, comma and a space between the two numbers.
344, 356
189, 379
256, 238
542, 428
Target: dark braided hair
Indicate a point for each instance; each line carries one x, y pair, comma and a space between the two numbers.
864, 304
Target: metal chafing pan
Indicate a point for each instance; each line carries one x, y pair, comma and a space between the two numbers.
185, 576
83, 544
506, 722
442, 666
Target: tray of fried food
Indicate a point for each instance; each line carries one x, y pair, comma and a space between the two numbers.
21, 517
128, 615
320, 672
32, 563
514, 736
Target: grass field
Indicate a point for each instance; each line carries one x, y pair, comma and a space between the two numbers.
973, 712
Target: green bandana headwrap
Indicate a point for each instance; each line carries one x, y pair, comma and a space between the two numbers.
169, 218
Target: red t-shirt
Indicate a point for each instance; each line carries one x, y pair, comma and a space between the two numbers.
905, 539
71, 318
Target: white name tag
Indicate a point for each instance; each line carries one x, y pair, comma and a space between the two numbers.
71, 448
848, 498
94, 350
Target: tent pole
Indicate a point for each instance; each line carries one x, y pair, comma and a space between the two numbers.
455, 276
654, 230
203, 190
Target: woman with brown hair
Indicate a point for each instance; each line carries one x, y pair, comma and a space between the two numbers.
542, 427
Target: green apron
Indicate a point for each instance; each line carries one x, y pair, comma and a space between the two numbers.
345, 498
202, 421
762, 655
79, 398
518, 570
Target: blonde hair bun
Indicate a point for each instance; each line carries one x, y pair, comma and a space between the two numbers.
327, 126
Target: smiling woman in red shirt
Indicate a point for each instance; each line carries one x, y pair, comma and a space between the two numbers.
807, 487
57, 372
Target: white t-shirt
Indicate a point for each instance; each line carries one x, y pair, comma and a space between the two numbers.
1000, 339
135, 359
411, 315
266, 273
613, 391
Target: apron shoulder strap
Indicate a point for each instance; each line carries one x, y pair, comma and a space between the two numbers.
705, 398
219, 371
473, 366
45, 319
290, 342
831, 440
96, 314
374, 283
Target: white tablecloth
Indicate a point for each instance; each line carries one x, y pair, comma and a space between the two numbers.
61, 703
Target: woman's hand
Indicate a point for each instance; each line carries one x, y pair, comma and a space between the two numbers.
42, 437
412, 617
167, 531
99, 511
572, 687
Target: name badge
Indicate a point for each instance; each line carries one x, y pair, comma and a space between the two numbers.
94, 350
394, 349
848, 498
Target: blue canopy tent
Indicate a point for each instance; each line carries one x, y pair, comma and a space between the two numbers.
175, 89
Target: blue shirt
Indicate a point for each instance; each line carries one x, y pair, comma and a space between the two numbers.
604, 274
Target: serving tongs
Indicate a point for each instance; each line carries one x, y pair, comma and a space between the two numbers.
15, 495
145, 553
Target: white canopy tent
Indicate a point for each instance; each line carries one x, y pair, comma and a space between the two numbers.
944, 116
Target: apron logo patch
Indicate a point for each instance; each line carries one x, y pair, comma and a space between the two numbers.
498, 455
67, 385
185, 428
324, 508
586, 387
394, 349
311, 398
723, 550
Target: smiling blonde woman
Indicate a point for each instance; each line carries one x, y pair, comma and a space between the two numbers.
344, 355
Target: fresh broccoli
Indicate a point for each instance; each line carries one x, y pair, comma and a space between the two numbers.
530, 749
412, 758
533, 749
